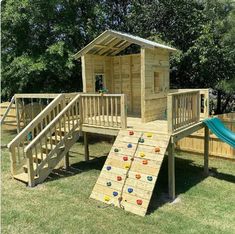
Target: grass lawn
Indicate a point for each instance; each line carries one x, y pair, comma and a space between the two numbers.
62, 204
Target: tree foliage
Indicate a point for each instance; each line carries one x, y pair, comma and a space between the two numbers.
39, 38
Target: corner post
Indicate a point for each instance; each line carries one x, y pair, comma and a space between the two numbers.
123, 112
17, 114
66, 161
31, 182
86, 146
206, 151
171, 170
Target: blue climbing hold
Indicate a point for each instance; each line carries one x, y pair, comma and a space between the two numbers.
129, 145
108, 168
115, 194
130, 190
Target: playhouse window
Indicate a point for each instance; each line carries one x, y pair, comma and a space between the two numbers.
157, 82
99, 82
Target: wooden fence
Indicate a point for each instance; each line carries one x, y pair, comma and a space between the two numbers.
195, 142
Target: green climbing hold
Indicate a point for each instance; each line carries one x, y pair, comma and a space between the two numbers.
109, 183
149, 178
116, 150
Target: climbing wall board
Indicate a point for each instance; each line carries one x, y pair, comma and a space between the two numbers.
130, 172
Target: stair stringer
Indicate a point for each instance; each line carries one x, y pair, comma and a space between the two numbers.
60, 153
130, 182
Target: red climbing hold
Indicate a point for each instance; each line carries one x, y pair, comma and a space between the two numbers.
131, 133
125, 158
139, 202
145, 162
119, 178
137, 176
157, 149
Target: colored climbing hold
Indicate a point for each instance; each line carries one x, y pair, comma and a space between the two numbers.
127, 166
142, 154
141, 140
108, 168
106, 198
125, 158
131, 133
149, 134
139, 202
145, 162
119, 178
149, 178
109, 183
137, 176
157, 149
116, 150
129, 145
115, 194
130, 190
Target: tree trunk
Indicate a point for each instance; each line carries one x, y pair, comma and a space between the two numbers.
218, 109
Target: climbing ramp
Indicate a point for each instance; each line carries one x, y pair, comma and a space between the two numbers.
130, 172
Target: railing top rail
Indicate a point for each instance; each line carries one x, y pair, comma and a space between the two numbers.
34, 122
47, 128
100, 95
44, 95
183, 92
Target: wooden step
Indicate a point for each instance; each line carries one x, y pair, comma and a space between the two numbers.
25, 167
39, 157
22, 177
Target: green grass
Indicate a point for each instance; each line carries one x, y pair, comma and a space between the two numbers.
62, 204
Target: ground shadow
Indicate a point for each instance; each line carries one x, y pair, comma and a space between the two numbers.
188, 174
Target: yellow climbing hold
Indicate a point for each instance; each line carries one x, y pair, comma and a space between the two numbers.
107, 198
149, 134
142, 154
127, 166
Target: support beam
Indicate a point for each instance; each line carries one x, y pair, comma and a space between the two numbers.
171, 170
206, 151
86, 146
66, 161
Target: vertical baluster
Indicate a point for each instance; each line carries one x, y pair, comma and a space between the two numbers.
86, 109
111, 111
116, 111
72, 112
102, 105
107, 109
90, 104
46, 146
36, 157
40, 147
94, 107
18, 153
99, 110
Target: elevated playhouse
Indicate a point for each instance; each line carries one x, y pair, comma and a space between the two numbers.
124, 95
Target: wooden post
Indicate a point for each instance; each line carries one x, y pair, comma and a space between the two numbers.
31, 182
169, 113
206, 151
66, 161
17, 114
123, 112
171, 170
86, 146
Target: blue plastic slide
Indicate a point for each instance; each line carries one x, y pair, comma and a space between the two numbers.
218, 128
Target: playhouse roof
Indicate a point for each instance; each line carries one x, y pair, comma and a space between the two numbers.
112, 42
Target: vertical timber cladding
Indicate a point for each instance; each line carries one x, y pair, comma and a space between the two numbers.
126, 79
92, 65
155, 82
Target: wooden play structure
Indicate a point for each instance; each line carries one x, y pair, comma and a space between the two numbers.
124, 95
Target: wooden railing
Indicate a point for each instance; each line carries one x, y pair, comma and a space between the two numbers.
53, 138
7, 110
107, 110
17, 145
183, 109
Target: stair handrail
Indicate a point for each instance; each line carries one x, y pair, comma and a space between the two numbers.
43, 134
35, 121
7, 110
54, 121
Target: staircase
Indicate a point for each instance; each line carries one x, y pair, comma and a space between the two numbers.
45, 141
130, 172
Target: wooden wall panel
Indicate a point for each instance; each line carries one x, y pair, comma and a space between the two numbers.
155, 104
